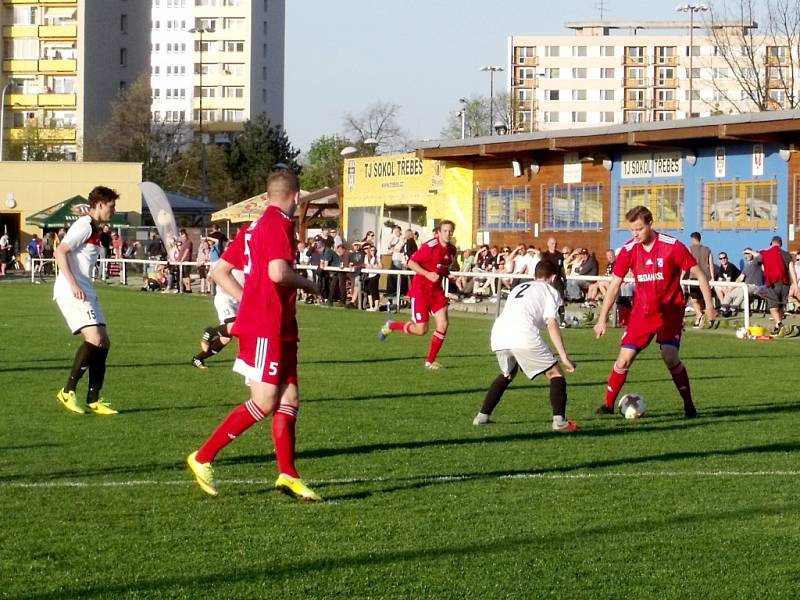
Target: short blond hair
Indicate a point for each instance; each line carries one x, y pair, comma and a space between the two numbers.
282, 184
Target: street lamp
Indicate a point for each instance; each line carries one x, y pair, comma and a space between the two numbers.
364, 147
463, 114
2, 117
500, 128
492, 69
691, 9
203, 158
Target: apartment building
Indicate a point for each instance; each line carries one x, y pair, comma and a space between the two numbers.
217, 63
627, 72
63, 64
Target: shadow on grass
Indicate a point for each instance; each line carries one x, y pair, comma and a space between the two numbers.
66, 363
201, 582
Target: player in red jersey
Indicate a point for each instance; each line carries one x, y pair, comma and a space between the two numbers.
657, 262
431, 263
266, 326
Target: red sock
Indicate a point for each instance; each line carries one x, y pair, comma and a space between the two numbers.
615, 382
403, 326
681, 379
437, 340
283, 436
239, 420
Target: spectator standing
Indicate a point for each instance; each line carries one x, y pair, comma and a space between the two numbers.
186, 255
355, 261
203, 260
372, 261
5, 252
780, 280
409, 248
221, 239
48, 248
553, 255
35, 251
395, 249
703, 256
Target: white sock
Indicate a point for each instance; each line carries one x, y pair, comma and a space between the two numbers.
559, 421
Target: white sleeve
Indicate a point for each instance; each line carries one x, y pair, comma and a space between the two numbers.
80, 231
550, 303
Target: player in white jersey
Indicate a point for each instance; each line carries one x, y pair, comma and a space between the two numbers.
76, 257
517, 342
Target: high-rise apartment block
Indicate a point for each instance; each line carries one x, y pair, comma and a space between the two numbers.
64, 62
217, 63
609, 72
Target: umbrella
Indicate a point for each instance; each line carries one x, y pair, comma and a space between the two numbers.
65, 213
246, 210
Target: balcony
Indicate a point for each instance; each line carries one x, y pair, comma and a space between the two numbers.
65, 135
20, 31
68, 2
58, 65
634, 104
24, 100
58, 31
668, 83
21, 65
636, 82
777, 61
634, 60
56, 100
527, 61
669, 61
666, 104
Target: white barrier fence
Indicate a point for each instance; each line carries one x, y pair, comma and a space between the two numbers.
398, 274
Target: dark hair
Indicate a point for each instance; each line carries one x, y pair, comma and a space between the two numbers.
639, 212
102, 193
778, 239
545, 269
695, 235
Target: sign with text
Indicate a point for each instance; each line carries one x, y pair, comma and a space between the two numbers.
572, 168
657, 164
758, 160
399, 178
719, 162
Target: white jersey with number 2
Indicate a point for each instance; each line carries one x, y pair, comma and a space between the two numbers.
527, 309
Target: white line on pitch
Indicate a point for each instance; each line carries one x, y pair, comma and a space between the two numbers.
436, 479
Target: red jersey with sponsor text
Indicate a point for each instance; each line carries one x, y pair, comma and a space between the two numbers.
432, 256
657, 273
267, 310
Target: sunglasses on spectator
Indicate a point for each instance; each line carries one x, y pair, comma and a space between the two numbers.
723, 257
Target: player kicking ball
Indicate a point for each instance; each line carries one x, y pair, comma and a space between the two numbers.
657, 262
216, 338
76, 257
431, 264
266, 326
517, 342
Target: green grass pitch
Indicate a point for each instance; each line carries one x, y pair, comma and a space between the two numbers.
419, 503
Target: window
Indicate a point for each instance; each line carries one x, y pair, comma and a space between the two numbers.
236, 69
233, 24
720, 73
552, 94
579, 94
606, 117
579, 51
123, 23
524, 95
740, 204
505, 209
579, 73
233, 115
524, 53
524, 74
607, 73
665, 201
570, 207
635, 55
123, 57
606, 94
552, 73
664, 115
579, 117
233, 46
695, 50
233, 92
606, 50
552, 50
551, 116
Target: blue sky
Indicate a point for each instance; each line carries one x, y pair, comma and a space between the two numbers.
421, 54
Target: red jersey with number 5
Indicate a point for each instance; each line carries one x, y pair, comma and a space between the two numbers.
657, 274
432, 256
267, 310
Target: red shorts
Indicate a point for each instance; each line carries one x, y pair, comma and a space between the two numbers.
425, 304
641, 330
268, 360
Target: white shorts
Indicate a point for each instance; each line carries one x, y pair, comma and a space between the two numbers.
227, 307
81, 313
532, 361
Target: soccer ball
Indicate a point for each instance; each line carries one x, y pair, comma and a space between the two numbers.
632, 406
741, 333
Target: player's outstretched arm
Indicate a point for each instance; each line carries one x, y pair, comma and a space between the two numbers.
554, 330
63, 264
608, 301
223, 276
705, 289
282, 273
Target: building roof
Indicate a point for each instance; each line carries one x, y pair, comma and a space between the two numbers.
779, 127
579, 25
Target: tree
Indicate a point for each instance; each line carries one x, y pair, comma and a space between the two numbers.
324, 163
764, 65
254, 152
33, 146
131, 134
182, 174
478, 115
379, 122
